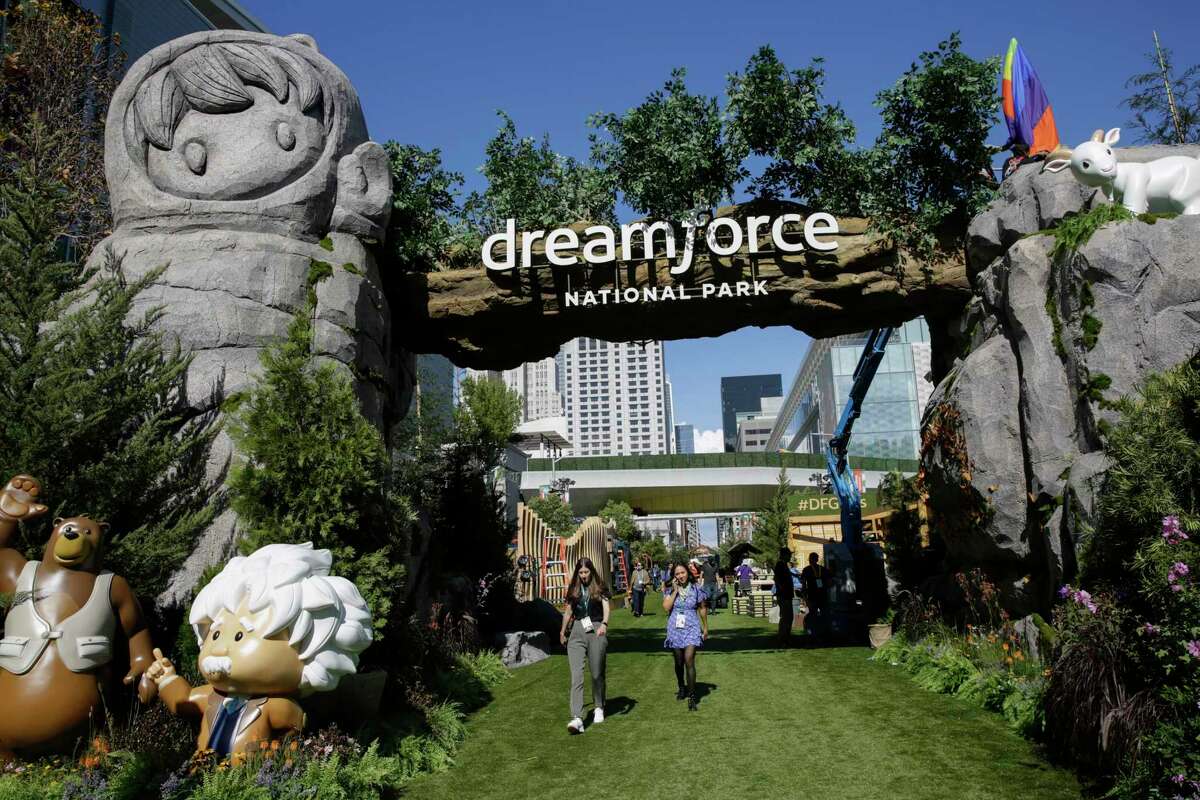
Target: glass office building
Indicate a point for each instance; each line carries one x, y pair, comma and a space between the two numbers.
890, 423
741, 394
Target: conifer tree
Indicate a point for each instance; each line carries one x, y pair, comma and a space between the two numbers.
771, 525
91, 397
313, 469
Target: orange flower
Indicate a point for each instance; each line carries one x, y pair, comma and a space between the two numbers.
1008, 660
1019, 655
1004, 647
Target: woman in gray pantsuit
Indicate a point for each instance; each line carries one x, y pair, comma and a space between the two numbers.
584, 632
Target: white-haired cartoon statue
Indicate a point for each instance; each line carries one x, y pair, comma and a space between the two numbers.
272, 626
1165, 185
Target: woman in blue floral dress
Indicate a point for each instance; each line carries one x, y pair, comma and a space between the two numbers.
686, 605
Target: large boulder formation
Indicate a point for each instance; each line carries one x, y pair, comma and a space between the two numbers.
496, 320
1013, 434
239, 165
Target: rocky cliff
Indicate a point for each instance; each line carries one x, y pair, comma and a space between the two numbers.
1013, 435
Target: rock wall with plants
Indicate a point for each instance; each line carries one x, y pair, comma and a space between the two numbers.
1075, 302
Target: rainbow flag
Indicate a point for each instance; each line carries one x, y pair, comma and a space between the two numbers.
1026, 107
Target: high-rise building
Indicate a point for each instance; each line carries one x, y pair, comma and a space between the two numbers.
737, 528
145, 24
741, 394
615, 397
754, 428
890, 423
685, 438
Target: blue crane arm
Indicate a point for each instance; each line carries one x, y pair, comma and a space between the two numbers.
844, 486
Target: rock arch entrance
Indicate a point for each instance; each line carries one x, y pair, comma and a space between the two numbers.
489, 319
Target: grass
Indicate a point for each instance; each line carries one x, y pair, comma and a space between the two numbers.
800, 723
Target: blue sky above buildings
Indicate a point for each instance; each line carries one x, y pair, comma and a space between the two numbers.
434, 74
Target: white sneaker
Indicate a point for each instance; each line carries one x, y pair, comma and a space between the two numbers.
575, 726
598, 716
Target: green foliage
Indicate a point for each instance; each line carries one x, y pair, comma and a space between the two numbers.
470, 681
555, 512
536, 186
651, 550
1151, 111
771, 525
315, 470
1154, 452
780, 116
945, 671
1056, 325
902, 546
425, 209
669, 156
93, 402
487, 416
1075, 230
1097, 384
1091, 331
930, 168
620, 513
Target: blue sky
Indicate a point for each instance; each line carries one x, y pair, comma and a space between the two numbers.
434, 74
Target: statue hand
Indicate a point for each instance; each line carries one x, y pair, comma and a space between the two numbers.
18, 499
147, 688
161, 671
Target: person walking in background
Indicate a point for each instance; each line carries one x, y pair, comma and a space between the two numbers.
585, 634
815, 579
709, 572
637, 592
655, 575
784, 594
687, 629
744, 574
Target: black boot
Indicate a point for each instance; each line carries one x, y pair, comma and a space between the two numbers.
682, 693
691, 702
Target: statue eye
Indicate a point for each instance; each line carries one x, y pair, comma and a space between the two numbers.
285, 136
238, 636
216, 635
1087, 164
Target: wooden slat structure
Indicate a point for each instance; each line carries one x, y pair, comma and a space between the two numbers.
551, 558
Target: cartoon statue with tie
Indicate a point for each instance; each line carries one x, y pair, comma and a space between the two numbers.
272, 626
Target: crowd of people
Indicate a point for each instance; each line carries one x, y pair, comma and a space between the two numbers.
689, 591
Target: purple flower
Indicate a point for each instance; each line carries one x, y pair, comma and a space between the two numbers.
1193, 648
1178, 779
1064, 591
1180, 568
1150, 629
1172, 533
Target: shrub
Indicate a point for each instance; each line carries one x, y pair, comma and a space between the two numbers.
315, 470
1023, 707
988, 688
471, 680
946, 670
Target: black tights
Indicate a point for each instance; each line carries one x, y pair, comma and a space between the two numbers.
685, 659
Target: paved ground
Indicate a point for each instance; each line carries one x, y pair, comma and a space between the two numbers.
798, 723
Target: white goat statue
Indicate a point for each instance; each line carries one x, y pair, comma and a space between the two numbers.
1169, 184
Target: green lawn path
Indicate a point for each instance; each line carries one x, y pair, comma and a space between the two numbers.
799, 723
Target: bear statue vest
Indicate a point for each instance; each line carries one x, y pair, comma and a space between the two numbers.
84, 639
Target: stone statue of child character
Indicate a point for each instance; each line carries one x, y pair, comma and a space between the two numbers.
235, 160
272, 627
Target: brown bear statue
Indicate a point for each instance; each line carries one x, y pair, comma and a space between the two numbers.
60, 630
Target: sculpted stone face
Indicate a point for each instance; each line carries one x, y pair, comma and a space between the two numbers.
236, 659
241, 154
